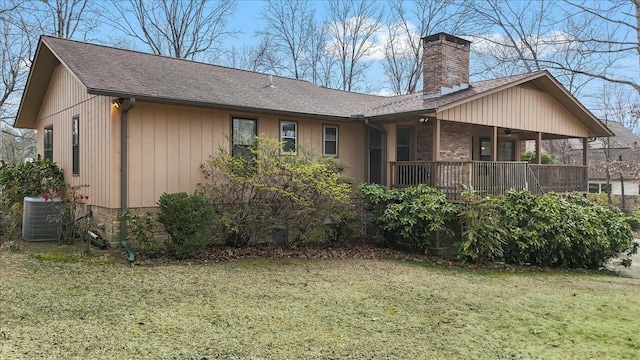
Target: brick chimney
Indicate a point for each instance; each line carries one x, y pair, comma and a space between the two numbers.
446, 64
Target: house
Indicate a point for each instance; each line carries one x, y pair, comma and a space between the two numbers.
619, 153
134, 125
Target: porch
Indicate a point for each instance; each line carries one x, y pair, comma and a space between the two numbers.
488, 177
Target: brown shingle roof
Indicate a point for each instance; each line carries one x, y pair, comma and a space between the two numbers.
124, 73
116, 72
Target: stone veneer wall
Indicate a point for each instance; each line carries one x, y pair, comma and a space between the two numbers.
111, 229
455, 141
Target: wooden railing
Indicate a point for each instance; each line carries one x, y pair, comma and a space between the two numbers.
493, 178
561, 178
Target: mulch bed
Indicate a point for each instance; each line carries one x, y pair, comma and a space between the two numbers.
354, 248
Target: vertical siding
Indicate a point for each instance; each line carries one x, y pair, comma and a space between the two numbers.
65, 98
168, 143
518, 108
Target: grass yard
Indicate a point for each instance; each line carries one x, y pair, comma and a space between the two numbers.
309, 309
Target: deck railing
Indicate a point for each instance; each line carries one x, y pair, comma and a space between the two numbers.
561, 178
493, 178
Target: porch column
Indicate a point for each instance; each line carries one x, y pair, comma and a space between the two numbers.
538, 145
391, 151
436, 140
494, 144
585, 154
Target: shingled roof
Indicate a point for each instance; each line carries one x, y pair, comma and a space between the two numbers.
116, 72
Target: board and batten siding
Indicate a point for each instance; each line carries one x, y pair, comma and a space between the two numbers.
168, 143
521, 108
65, 98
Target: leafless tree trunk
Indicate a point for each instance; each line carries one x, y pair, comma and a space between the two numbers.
289, 25
408, 22
184, 29
351, 28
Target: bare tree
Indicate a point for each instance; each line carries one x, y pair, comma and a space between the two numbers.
289, 25
184, 29
351, 28
512, 34
407, 24
617, 160
612, 30
577, 40
321, 64
258, 58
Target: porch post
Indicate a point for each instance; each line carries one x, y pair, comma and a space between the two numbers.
494, 144
585, 154
538, 145
436, 140
391, 151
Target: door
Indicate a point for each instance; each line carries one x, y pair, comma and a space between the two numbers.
506, 150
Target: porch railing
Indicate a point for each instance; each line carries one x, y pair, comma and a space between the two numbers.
493, 178
561, 178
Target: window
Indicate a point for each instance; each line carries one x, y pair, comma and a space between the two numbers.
243, 133
597, 188
75, 145
403, 144
485, 149
48, 142
330, 141
288, 136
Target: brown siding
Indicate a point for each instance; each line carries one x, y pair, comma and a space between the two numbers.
167, 144
65, 98
518, 108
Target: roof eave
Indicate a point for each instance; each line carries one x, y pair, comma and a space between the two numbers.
221, 106
29, 107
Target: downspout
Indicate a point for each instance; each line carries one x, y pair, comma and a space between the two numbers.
384, 147
124, 118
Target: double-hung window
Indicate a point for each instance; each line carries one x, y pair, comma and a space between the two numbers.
75, 145
289, 136
48, 142
330, 140
243, 136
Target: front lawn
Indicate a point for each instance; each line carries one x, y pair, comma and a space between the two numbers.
305, 309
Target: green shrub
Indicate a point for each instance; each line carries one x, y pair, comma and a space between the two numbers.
551, 230
482, 240
413, 215
633, 222
140, 229
34, 178
530, 157
294, 194
187, 221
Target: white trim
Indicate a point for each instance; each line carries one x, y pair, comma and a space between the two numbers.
288, 136
324, 140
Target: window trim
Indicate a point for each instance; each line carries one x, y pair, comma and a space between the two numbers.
231, 140
284, 137
324, 140
48, 150
75, 145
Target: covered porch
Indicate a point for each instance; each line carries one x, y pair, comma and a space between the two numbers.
457, 157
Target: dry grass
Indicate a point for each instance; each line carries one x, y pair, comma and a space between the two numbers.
323, 309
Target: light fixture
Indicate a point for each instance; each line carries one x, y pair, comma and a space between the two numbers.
116, 102
424, 120
507, 132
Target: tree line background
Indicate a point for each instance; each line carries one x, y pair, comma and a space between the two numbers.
592, 47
